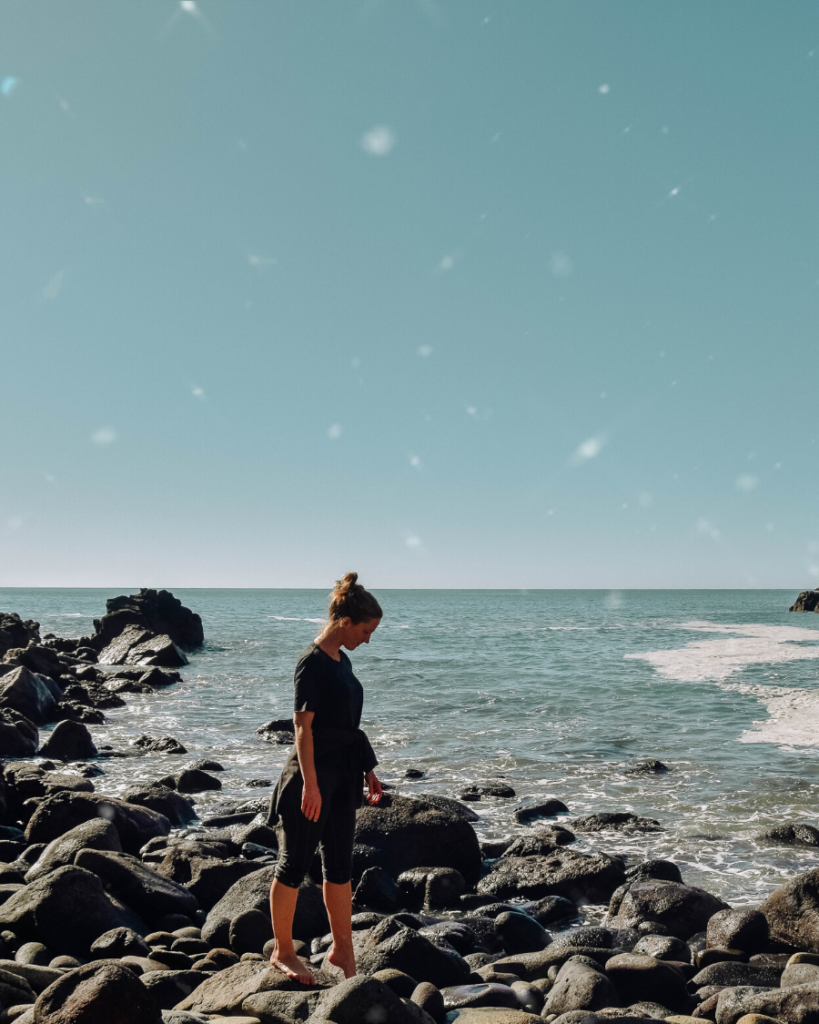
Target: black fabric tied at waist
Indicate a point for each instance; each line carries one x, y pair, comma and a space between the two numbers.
335, 751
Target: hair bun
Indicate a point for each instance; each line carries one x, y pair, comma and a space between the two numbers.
347, 582
350, 600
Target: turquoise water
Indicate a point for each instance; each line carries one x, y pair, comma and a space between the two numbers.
556, 691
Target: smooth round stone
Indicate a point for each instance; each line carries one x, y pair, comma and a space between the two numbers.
401, 984
65, 962
34, 953
530, 998
161, 939
193, 947
206, 966
716, 955
803, 958
188, 933
172, 959
757, 1018
458, 997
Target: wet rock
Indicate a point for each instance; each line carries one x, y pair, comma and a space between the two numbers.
797, 1005
63, 811
431, 887
249, 932
551, 909
156, 650
100, 991
163, 745
378, 890
365, 999
70, 741
158, 611
14, 632
129, 880
260, 783
738, 929
589, 935
115, 652
176, 808
541, 809
459, 935
519, 933
18, 735
460, 996
38, 659
39, 912
192, 780
651, 766
96, 834
253, 893
404, 832
391, 944
579, 986
279, 730
808, 601
664, 870
117, 943
536, 845
732, 973
206, 764
34, 696
683, 909
792, 912
562, 872
533, 966
791, 835
639, 977
663, 947
619, 821
414, 773
210, 878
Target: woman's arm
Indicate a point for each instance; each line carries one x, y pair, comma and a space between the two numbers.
311, 797
374, 788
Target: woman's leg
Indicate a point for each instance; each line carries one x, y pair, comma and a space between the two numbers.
282, 910
337, 861
339, 902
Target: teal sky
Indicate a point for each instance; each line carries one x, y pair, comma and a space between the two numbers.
454, 293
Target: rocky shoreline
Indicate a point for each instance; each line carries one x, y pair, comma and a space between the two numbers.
130, 909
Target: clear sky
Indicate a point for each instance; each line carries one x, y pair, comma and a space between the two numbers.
454, 293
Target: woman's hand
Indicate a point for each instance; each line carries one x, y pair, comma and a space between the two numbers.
374, 787
311, 801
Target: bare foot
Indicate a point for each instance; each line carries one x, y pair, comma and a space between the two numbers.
293, 968
343, 959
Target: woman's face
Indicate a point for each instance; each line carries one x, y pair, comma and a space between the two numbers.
356, 633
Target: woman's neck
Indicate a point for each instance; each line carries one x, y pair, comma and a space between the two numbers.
330, 640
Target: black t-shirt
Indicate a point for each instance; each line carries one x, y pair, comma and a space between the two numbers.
329, 689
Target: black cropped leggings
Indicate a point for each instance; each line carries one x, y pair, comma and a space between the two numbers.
333, 833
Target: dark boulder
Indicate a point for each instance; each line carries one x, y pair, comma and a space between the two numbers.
541, 842
40, 660
95, 834
62, 811
435, 888
163, 745
541, 809
279, 731
70, 741
404, 832
129, 880
666, 870
457, 997
156, 650
791, 835
651, 766
683, 909
580, 986
663, 947
117, 943
253, 893
730, 973
362, 999
378, 891
797, 1005
249, 932
103, 991
170, 987
404, 949
14, 632
620, 821
519, 933
158, 611
792, 912
738, 929
210, 878
562, 872
551, 909
116, 651
194, 780
176, 808
808, 601
18, 735
33, 695
42, 911
457, 935
638, 977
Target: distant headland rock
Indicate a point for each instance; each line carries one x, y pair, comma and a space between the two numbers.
808, 601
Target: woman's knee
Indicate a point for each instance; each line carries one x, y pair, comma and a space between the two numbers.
289, 874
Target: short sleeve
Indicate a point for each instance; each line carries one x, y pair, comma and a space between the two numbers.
307, 686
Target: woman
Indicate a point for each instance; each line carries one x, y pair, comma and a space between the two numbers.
320, 787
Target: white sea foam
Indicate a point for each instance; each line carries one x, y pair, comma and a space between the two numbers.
716, 660
793, 712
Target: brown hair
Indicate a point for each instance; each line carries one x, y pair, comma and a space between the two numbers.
350, 600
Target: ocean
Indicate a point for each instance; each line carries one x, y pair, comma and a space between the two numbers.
557, 692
